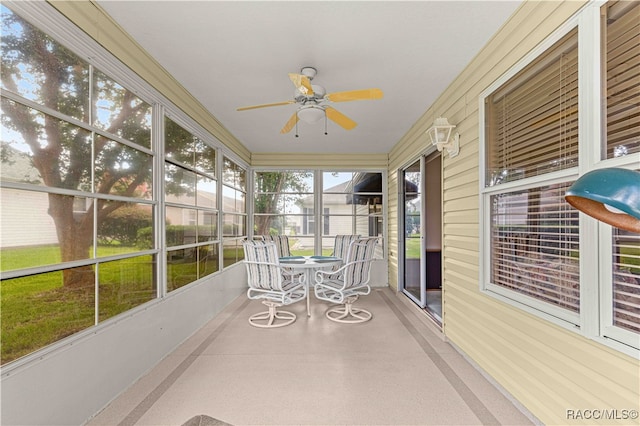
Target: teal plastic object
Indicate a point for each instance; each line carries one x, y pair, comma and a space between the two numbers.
611, 195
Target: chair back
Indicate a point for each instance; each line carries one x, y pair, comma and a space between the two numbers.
281, 242
261, 260
341, 245
357, 270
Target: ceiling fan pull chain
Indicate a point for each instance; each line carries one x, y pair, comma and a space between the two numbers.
325, 124
296, 128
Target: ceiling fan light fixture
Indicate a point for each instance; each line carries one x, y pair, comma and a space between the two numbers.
311, 114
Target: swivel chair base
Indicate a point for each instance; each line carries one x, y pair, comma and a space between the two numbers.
269, 319
348, 314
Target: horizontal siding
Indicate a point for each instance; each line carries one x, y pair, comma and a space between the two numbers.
546, 368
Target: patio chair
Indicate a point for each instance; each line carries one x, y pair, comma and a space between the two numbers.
341, 248
352, 281
272, 283
341, 245
282, 243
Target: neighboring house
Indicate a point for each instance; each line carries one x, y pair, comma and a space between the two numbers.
23, 214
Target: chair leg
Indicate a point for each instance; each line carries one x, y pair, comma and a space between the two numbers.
271, 316
348, 314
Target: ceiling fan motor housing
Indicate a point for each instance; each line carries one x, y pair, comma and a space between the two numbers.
316, 97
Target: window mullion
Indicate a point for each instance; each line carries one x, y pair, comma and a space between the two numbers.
590, 131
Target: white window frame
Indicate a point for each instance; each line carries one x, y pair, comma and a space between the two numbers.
595, 320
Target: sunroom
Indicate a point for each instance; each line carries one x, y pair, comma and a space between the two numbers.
125, 201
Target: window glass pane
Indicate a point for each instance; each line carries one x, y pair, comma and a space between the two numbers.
336, 181
29, 223
350, 203
626, 280
535, 245
232, 251
31, 60
206, 192
292, 182
234, 225
205, 158
279, 200
208, 259
179, 144
125, 284
207, 226
233, 200
181, 226
40, 309
126, 228
234, 175
182, 267
120, 112
240, 178
228, 172
41, 150
532, 120
180, 185
122, 170
621, 43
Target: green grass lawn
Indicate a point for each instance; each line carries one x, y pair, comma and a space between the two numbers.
38, 310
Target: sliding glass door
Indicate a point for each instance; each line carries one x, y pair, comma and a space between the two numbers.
422, 248
414, 284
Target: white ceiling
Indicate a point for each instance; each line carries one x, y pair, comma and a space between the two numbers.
230, 54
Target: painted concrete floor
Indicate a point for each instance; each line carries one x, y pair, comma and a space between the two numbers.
393, 370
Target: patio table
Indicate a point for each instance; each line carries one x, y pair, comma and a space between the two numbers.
307, 265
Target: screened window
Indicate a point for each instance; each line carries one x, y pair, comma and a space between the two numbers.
284, 205
535, 253
76, 200
352, 204
190, 207
234, 211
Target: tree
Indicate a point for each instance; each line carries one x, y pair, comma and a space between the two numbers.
269, 186
38, 68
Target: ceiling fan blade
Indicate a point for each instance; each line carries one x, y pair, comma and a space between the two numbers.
266, 105
340, 119
292, 122
302, 83
355, 95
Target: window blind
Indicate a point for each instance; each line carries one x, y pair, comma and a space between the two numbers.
532, 120
622, 62
626, 280
535, 248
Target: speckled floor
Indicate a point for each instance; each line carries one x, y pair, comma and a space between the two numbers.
393, 370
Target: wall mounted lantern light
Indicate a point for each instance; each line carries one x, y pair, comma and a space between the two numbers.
440, 135
611, 195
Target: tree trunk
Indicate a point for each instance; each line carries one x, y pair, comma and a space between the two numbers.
75, 238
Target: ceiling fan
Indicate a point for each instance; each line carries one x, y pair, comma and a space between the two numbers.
313, 101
